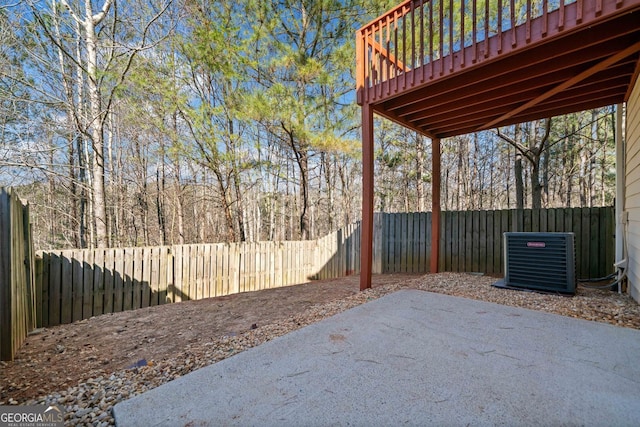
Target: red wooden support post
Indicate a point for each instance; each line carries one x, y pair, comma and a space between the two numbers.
361, 66
366, 246
435, 205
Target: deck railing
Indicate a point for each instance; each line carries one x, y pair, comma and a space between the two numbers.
420, 40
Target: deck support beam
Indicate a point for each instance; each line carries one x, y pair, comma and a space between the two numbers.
366, 244
435, 204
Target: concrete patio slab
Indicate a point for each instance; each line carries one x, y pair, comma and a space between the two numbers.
414, 358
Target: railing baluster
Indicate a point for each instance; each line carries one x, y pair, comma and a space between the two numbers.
451, 35
440, 22
413, 44
474, 48
500, 26
486, 28
431, 36
561, 15
579, 8
512, 5
395, 42
359, 66
374, 59
528, 25
367, 64
384, 56
389, 69
380, 60
462, 33
404, 48
545, 17
500, 6
422, 40
598, 7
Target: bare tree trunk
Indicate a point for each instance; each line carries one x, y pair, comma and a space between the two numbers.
179, 212
532, 152
303, 164
536, 187
95, 128
570, 166
302, 160
52, 223
330, 190
461, 179
78, 217
345, 195
545, 178
420, 167
476, 176
517, 170
160, 195
240, 210
75, 221
97, 167
584, 186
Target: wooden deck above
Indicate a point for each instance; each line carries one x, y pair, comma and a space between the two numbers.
444, 70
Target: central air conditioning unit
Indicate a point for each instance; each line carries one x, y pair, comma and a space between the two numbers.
540, 261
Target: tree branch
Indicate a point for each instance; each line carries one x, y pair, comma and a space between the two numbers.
71, 12
98, 17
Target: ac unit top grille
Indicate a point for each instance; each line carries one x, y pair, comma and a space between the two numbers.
544, 261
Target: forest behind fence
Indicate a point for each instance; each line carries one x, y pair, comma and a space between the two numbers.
81, 283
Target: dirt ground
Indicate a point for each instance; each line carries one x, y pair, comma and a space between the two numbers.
55, 358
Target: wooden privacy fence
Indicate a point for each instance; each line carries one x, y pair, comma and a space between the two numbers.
77, 284
471, 241
17, 316
81, 283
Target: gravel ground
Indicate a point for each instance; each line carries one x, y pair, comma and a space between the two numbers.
91, 402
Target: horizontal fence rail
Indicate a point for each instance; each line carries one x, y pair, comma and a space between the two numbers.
422, 40
78, 284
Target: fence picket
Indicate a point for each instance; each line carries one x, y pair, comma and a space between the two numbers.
208, 278
156, 258
98, 283
166, 276
71, 296
109, 269
118, 281
136, 279
489, 245
127, 278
